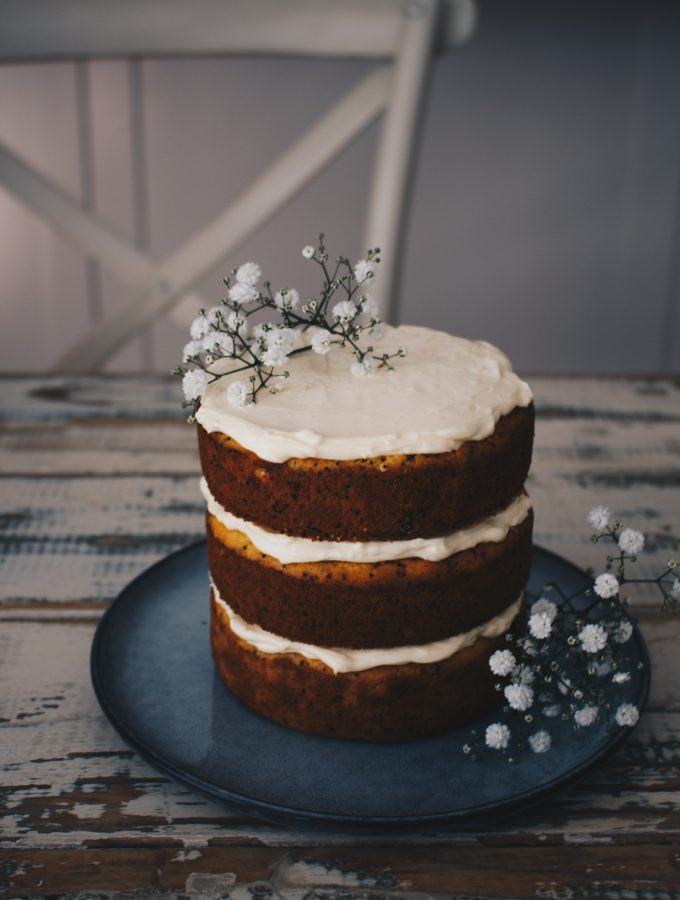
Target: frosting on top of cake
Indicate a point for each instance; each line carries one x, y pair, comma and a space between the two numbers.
446, 391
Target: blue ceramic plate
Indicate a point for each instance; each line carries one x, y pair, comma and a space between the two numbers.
153, 674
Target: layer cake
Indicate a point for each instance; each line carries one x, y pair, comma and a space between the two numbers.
369, 537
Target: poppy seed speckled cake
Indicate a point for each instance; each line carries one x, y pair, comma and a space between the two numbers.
369, 538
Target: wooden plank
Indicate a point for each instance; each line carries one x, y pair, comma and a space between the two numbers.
83, 539
43, 398
353, 873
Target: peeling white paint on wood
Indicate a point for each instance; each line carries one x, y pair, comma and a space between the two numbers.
88, 810
186, 855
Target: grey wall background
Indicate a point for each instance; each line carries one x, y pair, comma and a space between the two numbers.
546, 205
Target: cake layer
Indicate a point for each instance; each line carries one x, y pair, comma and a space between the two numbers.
446, 391
288, 549
341, 660
386, 498
359, 605
384, 703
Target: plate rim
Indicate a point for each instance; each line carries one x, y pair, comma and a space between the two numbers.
280, 814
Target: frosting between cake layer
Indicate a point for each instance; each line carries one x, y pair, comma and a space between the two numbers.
343, 659
446, 391
287, 549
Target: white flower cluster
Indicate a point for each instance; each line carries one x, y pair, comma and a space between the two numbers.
318, 325
627, 714
598, 518
502, 662
540, 742
519, 696
606, 585
586, 716
631, 541
497, 736
557, 669
593, 638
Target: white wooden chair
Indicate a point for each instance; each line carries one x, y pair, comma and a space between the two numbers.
401, 35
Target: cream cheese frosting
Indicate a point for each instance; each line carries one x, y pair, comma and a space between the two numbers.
446, 391
287, 549
344, 659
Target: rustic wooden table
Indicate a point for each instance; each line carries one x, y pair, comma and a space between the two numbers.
99, 480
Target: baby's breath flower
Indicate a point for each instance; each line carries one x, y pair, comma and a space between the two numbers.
237, 322
199, 327
675, 589
193, 348
261, 329
598, 518
502, 662
553, 710
529, 647
547, 607
194, 383
249, 274
519, 696
365, 366
621, 677
593, 638
237, 393
369, 307
540, 625
631, 541
601, 668
586, 716
524, 675
364, 269
281, 339
623, 632
213, 315
223, 332
224, 342
344, 311
321, 341
274, 358
606, 585
287, 299
627, 714
242, 293
208, 342
497, 736
540, 741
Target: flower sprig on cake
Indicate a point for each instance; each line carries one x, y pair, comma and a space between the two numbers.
342, 315
574, 664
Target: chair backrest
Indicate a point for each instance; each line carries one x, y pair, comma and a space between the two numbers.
401, 36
